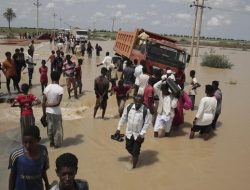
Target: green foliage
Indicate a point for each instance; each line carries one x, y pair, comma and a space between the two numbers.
10, 35
216, 61
9, 14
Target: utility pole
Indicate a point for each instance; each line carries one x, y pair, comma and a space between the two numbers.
60, 19
113, 23
54, 15
37, 4
199, 34
195, 3
201, 6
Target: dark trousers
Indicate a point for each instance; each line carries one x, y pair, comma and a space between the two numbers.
83, 52
136, 88
73, 50
192, 97
14, 78
133, 146
113, 82
30, 72
216, 116
43, 86
18, 74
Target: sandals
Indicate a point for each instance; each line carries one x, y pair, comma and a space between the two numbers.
117, 137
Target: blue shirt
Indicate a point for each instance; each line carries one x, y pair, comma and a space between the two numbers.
28, 172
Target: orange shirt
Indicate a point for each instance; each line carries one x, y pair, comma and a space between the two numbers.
9, 68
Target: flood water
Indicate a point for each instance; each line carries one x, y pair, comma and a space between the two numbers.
174, 163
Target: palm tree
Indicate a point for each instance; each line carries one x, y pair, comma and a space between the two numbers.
9, 15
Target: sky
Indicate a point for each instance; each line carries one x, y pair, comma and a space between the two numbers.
226, 19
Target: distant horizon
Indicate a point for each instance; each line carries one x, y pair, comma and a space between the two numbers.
226, 18
99, 30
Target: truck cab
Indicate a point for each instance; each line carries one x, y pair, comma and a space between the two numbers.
158, 51
80, 35
161, 55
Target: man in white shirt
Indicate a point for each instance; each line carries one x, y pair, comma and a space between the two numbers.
192, 87
137, 118
165, 111
218, 96
51, 108
69, 73
30, 66
32, 48
170, 74
143, 81
143, 37
137, 73
205, 114
107, 60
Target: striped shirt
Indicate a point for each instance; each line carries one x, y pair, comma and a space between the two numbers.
28, 172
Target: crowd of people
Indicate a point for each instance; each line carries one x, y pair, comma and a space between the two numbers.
158, 100
69, 44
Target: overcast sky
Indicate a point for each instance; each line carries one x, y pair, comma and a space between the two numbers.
227, 18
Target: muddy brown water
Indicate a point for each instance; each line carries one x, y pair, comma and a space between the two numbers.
175, 163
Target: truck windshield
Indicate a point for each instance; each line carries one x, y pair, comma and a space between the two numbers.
82, 32
165, 55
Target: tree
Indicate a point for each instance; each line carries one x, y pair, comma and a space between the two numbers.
9, 15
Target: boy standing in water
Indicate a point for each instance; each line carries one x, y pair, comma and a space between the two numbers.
79, 75
30, 66
51, 109
66, 169
121, 95
193, 85
218, 96
101, 88
29, 163
26, 101
43, 70
51, 59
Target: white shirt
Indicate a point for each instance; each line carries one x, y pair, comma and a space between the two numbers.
30, 60
143, 81
193, 82
143, 36
166, 103
124, 65
52, 92
107, 61
138, 72
206, 111
78, 48
218, 96
171, 76
134, 120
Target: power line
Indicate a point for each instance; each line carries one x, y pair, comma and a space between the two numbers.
236, 11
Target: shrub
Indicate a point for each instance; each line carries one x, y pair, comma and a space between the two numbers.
10, 35
216, 61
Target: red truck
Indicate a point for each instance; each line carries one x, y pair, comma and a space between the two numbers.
157, 51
